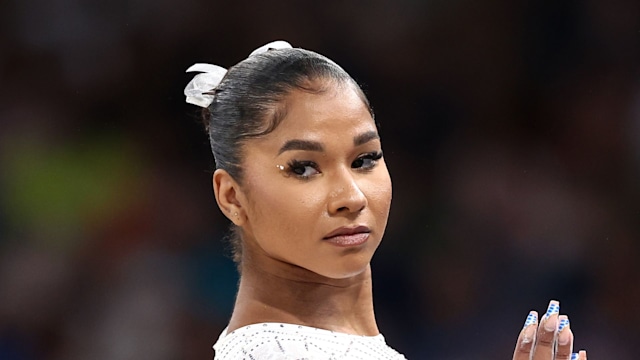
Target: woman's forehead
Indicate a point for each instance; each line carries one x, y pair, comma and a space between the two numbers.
336, 107
329, 121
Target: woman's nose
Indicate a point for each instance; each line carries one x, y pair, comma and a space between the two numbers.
346, 195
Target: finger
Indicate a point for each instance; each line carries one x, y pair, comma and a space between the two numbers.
565, 339
582, 355
547, 330
527, 337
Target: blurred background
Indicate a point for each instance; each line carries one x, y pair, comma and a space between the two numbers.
511, 129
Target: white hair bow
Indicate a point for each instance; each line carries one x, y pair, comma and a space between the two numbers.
198, 89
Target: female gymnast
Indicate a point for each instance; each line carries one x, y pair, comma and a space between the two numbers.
301, 175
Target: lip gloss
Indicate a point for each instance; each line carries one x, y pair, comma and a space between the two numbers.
349, 240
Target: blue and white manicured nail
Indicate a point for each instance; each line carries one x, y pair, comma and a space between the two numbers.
532, 318
564, 321
528, 331
574, 356
554, 308
564, 337
551, 324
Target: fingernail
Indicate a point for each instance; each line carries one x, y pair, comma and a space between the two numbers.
554, 308
563, 337
582, 354
530, 331
532, 318
564, 321
550, 323
574, 356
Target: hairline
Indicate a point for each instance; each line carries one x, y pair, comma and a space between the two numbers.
280, 109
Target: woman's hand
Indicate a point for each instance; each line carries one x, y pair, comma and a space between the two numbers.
550, 339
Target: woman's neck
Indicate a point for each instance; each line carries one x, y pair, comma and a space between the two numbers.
273, 291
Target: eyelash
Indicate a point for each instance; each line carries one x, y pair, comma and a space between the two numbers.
294, 166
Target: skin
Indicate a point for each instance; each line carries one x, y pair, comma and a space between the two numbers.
544, 341
290, 272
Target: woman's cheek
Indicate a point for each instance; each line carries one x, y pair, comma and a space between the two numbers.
380, 191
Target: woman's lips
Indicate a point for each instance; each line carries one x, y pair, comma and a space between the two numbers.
348, 236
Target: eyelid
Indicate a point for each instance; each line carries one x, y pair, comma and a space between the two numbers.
376, 153
372, 157
294, 164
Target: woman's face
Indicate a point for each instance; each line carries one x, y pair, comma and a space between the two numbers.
316, 191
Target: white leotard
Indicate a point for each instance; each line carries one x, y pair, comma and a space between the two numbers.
276, 341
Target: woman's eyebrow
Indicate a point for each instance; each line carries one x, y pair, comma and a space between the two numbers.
365, 138
297, 144
309, 145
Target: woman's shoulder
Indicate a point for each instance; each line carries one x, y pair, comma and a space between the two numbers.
275, 341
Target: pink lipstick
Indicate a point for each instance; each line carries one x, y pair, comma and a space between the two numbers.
348, 236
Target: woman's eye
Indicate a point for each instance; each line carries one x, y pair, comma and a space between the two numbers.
367, 161
303, 169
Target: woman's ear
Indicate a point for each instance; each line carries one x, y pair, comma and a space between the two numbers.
228, 196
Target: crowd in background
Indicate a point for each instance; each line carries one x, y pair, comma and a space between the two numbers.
511, 130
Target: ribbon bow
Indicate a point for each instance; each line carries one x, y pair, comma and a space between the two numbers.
198, 89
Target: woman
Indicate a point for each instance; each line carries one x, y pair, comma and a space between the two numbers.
301, 175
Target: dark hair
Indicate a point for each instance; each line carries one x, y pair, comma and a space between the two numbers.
248, 103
